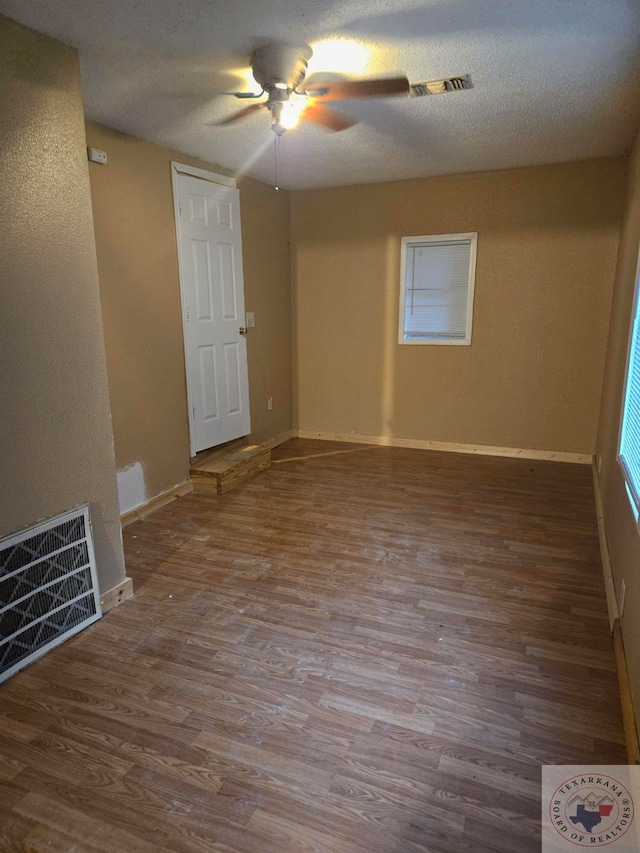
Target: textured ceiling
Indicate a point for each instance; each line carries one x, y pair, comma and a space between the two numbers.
554, 80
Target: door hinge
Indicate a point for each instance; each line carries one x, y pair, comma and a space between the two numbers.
179, 208
193, 411
187, 313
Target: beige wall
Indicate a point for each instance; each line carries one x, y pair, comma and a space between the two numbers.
532, 376
56, 443
140, 291
622, 536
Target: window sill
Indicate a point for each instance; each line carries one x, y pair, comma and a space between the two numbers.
450, 342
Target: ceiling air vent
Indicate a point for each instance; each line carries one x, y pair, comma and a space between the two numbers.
440, 87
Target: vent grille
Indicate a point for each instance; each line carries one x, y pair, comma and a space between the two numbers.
48, 588
440, 87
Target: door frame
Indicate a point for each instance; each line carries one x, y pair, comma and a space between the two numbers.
214, 178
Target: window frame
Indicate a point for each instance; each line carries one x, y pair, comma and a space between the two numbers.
424, 340
632, 489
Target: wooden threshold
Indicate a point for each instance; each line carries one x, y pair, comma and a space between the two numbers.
220, 471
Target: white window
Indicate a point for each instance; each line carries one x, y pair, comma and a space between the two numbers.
437, 276
629, 453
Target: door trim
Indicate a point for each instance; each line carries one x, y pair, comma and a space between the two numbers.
214, 178
183, 169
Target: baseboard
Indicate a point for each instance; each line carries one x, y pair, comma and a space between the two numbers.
450, 447
116, 595
155, 503
628, 715
609, 585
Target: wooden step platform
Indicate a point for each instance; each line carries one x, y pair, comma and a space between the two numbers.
217, 472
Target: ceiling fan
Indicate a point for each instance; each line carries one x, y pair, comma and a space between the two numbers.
280, 69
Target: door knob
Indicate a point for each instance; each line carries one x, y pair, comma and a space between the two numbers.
243, 330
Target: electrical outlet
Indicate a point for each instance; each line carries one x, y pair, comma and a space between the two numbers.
623, 593
269, 403
250, 320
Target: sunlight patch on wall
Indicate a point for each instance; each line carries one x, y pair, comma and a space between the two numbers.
390, 337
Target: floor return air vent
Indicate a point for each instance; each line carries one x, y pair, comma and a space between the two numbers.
48, 588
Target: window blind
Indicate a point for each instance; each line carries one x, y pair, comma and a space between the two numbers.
630, 434
437, 288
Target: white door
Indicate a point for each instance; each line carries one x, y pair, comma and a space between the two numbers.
210, 253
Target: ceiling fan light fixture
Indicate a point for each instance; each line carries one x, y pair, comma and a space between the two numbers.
289, 118
285, 115
292, 111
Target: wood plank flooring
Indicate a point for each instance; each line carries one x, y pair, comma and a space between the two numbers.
363, 649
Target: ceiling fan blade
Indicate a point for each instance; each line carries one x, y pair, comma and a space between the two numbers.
319, 114
341, 90
252, 108
244, 94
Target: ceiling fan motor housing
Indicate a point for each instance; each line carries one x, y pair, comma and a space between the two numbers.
280, 67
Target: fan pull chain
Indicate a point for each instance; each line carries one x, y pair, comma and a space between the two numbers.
276, 145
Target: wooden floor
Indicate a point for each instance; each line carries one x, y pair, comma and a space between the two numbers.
363, 649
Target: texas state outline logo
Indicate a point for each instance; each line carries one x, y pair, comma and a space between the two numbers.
590, 806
